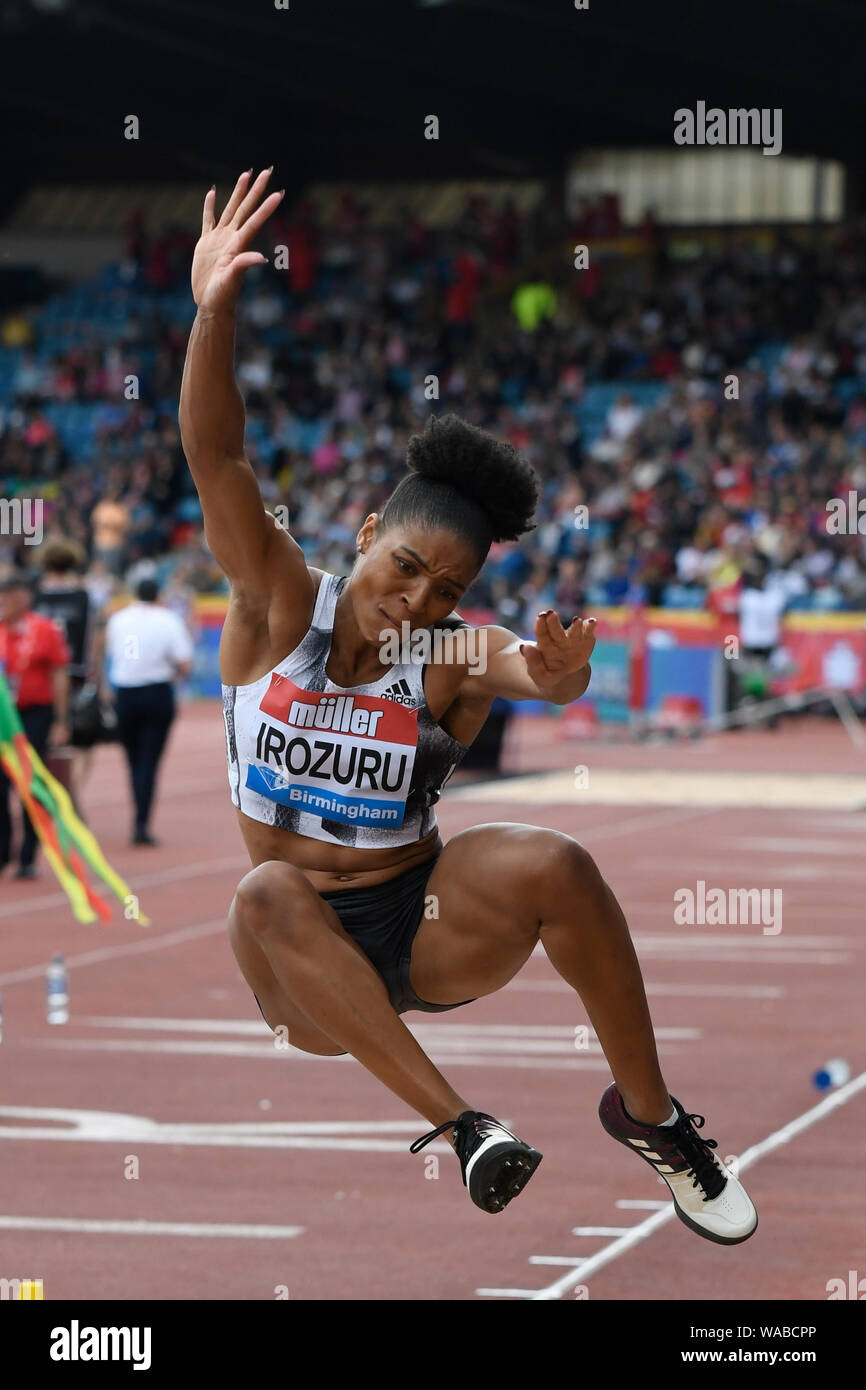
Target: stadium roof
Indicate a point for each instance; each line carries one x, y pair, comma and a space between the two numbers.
334, 89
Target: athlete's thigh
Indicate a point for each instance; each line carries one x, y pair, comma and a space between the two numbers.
481, 917
276, 1006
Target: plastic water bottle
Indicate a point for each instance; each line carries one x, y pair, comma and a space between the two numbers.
833, 1073
57, 991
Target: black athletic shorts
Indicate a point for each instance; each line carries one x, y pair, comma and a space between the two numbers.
384, 920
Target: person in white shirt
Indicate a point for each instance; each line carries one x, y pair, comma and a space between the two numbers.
147, 647
761, 608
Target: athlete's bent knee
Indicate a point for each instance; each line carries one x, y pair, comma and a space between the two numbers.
272, 897
569, 864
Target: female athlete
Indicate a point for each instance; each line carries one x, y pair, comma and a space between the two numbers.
337, 754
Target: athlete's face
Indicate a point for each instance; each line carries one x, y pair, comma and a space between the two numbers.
407, 574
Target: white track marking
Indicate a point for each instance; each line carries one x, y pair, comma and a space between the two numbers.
457, 1044
151, 942
147, 1228
203, 869
108, 1127
600, 1230
496, 1034
268, 1051
503, 1293
556, 1260
694, 944
684, 991
652, 1223
700, 939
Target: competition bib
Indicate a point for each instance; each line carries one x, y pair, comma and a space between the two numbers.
345, 758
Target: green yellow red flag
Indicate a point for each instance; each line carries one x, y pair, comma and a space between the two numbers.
69, 846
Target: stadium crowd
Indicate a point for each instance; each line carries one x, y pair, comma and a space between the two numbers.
689, 418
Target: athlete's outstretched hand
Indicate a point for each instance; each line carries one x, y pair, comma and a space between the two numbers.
558, 652
221, 255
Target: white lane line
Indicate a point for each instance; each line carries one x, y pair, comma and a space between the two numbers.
600, 1230
504, 1293
120, 1125
203, 869
131, 948
652, 1223
148, 1228
265, 1050
109, 1127
712, 950
444, 1034
556, 1260
697, 938
714, 991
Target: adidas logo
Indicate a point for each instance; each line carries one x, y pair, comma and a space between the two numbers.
399, 693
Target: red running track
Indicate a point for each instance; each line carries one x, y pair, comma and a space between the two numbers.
181, 1126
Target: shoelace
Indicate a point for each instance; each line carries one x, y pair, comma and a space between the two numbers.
697, 1151
427, 1138
480, 1122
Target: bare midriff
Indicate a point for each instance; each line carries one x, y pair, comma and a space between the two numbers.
331, 868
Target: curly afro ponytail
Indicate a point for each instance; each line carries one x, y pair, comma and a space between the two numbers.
463, 479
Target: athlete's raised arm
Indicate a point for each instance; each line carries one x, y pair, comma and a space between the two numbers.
249, 547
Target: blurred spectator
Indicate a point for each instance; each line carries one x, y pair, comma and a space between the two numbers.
111, 523
148, 648
760, 611
612, 381
62, 596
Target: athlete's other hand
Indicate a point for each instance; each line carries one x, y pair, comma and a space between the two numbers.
558, 652
221, 255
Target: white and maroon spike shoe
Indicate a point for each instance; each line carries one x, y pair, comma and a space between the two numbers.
707, 1197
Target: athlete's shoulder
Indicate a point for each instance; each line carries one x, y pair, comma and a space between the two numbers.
317, 576
451, 623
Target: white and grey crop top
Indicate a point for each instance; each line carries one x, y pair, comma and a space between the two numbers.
361, 767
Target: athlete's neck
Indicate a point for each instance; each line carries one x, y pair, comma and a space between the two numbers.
353, 660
